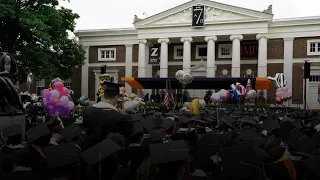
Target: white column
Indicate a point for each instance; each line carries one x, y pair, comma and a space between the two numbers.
96, 84
142, 58
148, 66
164, 57
85, 73
236, 57
211, 56
128, 66
186, 53
262, 58
287, 61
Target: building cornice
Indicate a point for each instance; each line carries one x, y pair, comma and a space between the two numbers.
106, 32
312, 20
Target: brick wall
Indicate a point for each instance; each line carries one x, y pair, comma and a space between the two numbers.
300, 48
120, 53
135, 53
297, 83
275, 49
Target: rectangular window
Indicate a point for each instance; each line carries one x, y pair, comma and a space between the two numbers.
178, 52
314, 78
249, 76
107, 54
68, 83
224, 76
201, 51
225, 51
313, 47
40, 86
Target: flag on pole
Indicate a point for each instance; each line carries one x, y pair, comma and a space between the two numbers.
168, 98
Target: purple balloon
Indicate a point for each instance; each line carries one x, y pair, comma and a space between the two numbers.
53, 86
59, 108
44, 103
68, 95
48, 95
50, 110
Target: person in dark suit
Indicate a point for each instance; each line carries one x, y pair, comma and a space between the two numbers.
103, 118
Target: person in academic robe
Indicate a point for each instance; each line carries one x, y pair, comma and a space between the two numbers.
153, 96
103, 118
22, 170
158, 98
38, 138
13, 145
136, 152
146, 97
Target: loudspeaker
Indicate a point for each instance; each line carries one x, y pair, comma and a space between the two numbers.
306, 70
103, 69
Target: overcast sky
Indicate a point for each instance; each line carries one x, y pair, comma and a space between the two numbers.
104, 14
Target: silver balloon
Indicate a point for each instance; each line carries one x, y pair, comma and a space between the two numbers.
187, 78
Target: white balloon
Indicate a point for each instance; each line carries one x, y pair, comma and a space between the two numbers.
202, 104
179, 74
187, 78
131, 105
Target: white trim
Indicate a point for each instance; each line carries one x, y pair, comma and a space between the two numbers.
317, 44
107, 71
197, 51
111, 64
220, 46
106, 50
175, 52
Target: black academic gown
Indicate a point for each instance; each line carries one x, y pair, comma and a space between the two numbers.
102, 118
22, 174
36, 160
137, 154
8, 154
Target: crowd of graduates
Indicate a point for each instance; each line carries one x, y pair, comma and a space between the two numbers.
214, 143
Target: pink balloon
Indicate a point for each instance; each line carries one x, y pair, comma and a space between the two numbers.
64, 91
58, 85
64, 100
54, 101
44, 92
278, 99
285, 89
279, 94
55, 94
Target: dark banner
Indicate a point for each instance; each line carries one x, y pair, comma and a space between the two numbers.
198, 16
154, 57
249, 49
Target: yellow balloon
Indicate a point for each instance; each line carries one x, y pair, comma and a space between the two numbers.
195, 106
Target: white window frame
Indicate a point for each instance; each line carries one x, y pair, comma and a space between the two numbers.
40, 84
220, 46
175, 52
317, 42
197, 51
68, 83
107, 49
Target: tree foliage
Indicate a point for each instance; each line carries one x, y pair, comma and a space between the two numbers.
35, 32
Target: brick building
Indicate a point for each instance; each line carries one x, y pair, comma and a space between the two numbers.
233, 42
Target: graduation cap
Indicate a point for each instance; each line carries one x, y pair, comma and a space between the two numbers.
300, 141
13, 130
167, 124
168, 152
157, 136
249, 120
61, 155
148, 125
37, 132
100, 151
184, 119
136, 117
109, 86
247, 134
137, 128
312, 164
227, 120
70, 132
208, 145
199, 174
269, 125
277, 170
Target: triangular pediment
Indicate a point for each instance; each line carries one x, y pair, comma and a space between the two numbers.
214, 13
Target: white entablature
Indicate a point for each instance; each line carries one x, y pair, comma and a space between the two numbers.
214, 13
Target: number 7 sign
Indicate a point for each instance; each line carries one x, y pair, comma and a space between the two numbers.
198, 16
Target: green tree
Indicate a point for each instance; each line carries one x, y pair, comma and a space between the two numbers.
35, 32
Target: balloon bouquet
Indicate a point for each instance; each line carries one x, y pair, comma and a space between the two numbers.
184, 77
283, 93
251, 94
57, 101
